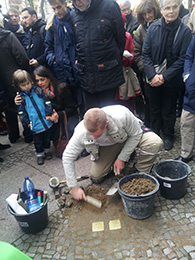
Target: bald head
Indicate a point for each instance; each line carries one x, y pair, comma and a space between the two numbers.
95, 119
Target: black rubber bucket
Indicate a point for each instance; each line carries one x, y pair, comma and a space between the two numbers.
34, 222
138, 206
172, 176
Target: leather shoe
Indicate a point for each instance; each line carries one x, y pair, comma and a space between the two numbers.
1, 159
168, 144
4, 146
186, 160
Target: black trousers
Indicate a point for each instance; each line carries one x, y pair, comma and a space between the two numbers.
163, 101
99, 99
42, 140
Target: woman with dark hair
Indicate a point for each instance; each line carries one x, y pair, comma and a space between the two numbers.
147, 12
61, 99
163, 54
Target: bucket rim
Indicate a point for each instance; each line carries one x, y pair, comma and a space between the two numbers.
24, 215
171, 180
138, 195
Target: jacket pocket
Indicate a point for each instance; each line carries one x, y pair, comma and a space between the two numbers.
107, 65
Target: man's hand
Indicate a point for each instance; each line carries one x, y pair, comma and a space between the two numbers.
118, 166
18, 99
33, 63
78, 193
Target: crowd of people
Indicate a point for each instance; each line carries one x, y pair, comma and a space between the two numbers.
96, 60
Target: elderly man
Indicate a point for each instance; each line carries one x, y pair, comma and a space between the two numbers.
110, 135
131, 23
100, 41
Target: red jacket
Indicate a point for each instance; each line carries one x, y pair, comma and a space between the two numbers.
128, 47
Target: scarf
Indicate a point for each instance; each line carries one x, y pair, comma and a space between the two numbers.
12, 28
49, 92
65, 33
168, 34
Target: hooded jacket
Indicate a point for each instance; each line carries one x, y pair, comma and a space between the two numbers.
100, 41
36, 35
12, 57
34, 109
60, 54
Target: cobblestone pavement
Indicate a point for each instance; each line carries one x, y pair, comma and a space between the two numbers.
169, 233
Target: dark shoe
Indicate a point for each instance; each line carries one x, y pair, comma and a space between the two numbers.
1, 159
84, 153
186, 160
168, 144
13, 139
97, 180
40, 160
4, 146
3, 132
48, 156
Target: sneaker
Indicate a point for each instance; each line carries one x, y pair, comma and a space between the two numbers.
40, 160
48, 156
186, 160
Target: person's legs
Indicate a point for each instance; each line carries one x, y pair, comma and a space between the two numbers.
148, 149
155, 99
99, 99
38, 143
169, 97
187, 134
46, 144
108, 155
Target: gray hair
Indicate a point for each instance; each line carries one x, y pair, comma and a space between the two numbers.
125, 3
165, 2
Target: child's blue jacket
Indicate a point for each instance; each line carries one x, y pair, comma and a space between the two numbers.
34, 109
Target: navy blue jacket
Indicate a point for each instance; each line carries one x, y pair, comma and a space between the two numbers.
61, 56
34, 109
151, 49
36, 36
100, 41
189, 68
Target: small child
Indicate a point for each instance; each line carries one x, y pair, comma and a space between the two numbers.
33, 111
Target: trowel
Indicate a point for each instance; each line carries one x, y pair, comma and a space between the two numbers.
113, 188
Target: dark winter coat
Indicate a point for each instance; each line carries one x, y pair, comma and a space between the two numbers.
2, 98
36, 35
189, 68
19, 32
152, 47
131, 24
100, 38
12, 57
60, 55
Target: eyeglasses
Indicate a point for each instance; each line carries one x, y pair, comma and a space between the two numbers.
169, 8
